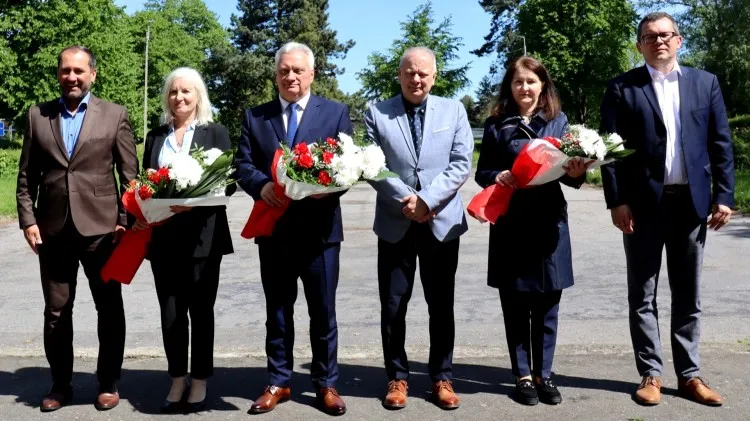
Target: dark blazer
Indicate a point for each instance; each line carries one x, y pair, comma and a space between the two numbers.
529, 246
262, 134
630, 109
200, 232
52, 188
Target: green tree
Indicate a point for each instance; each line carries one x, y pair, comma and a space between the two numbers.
379, 79
486, 96
33, 33
183, 33
717, 39
583, 44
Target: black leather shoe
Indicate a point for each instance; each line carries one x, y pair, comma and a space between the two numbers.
193, 407
525, 393
548, 392
169, 407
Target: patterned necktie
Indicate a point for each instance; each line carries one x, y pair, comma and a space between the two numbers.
291, 123
416, 129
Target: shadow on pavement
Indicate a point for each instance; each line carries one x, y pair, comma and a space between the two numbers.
145, 389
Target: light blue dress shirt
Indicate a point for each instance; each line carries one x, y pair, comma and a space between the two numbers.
70, 125
170, 148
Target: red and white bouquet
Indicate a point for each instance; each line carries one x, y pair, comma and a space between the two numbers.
542, 160
197, 179
329, 166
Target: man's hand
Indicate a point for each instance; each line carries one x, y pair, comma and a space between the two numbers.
622, 218
506, 179
269, 196
139, 225
33, 237
415, 208
720, 217
577, 167
180, 209
119, 232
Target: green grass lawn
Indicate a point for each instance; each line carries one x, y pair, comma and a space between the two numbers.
7, 198
742, 191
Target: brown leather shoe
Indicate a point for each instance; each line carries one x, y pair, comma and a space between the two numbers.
272, 396
107, 400
443, 395
330, 402
696, 389
396, 397
55, 400
649, 392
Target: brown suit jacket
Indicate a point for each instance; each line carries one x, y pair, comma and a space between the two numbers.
52, 188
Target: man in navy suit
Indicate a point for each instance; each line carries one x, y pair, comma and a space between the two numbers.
306, 240
682, 173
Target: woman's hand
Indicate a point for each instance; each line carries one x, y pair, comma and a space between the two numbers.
139, 225
577, 167
506, 179
180, 209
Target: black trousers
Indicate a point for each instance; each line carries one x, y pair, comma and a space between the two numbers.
397, 264
187, 286
59, 257
531, 330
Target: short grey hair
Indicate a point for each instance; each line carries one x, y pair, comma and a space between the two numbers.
295, 46
77, 48
414, 50
203, 111
653, 17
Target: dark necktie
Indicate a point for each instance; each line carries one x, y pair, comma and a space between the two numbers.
291, 123
416, 129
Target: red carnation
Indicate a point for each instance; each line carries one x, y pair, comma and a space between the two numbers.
305, 160
163, 173
554, 141
132, 185
324, 178
331, 141
327, 157
153, 176
301, 149
145, 192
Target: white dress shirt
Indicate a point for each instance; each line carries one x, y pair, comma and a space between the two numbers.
301, 106
667, 87
170, 148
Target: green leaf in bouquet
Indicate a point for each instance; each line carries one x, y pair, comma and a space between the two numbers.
619, 154
384, 174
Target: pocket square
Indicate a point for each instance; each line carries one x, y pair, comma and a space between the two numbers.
441, 129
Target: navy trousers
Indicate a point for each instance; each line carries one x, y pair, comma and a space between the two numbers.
281, 264
531, 330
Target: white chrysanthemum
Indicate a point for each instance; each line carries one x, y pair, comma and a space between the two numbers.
373, 161
210, 155
601, 150
615, 139
185, 170
347, 144
346, 169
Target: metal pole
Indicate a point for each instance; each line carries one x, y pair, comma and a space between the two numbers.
145, 84
524, 45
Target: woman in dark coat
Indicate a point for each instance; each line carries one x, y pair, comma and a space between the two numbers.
186, 251
529, 254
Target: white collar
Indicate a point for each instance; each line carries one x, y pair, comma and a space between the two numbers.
302, 103
190, 127
655, 73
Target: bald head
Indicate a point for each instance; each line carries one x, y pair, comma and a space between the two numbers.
416, 73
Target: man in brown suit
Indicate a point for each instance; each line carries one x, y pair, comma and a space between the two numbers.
69, 209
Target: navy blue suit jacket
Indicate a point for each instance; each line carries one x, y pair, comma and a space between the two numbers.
630, 109
262, 134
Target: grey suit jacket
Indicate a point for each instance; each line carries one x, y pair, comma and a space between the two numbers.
442, 167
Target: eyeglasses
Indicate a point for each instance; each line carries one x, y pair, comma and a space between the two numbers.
664, 36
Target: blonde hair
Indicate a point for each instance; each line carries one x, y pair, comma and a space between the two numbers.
203, 113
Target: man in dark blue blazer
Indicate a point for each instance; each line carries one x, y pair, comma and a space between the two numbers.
681, 173
306, 240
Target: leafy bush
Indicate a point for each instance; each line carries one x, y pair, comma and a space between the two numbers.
9, 162
741, 143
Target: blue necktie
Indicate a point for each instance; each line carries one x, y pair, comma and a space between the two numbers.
291, 124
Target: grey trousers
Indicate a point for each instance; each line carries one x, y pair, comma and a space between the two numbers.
676, 226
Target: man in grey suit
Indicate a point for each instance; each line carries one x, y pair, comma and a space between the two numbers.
427, 141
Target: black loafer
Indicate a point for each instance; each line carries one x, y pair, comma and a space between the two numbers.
193, 407
525, 393
548, 392
169, 407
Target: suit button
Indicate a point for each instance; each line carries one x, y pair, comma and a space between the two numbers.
419, 170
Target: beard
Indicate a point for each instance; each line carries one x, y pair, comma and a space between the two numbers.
82, 91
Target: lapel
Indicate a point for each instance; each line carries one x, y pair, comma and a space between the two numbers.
686, 86
199, 137
403, 123
648, 89
89, 121
54, 122
429, 119
277, 122
308, 117
156, 147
